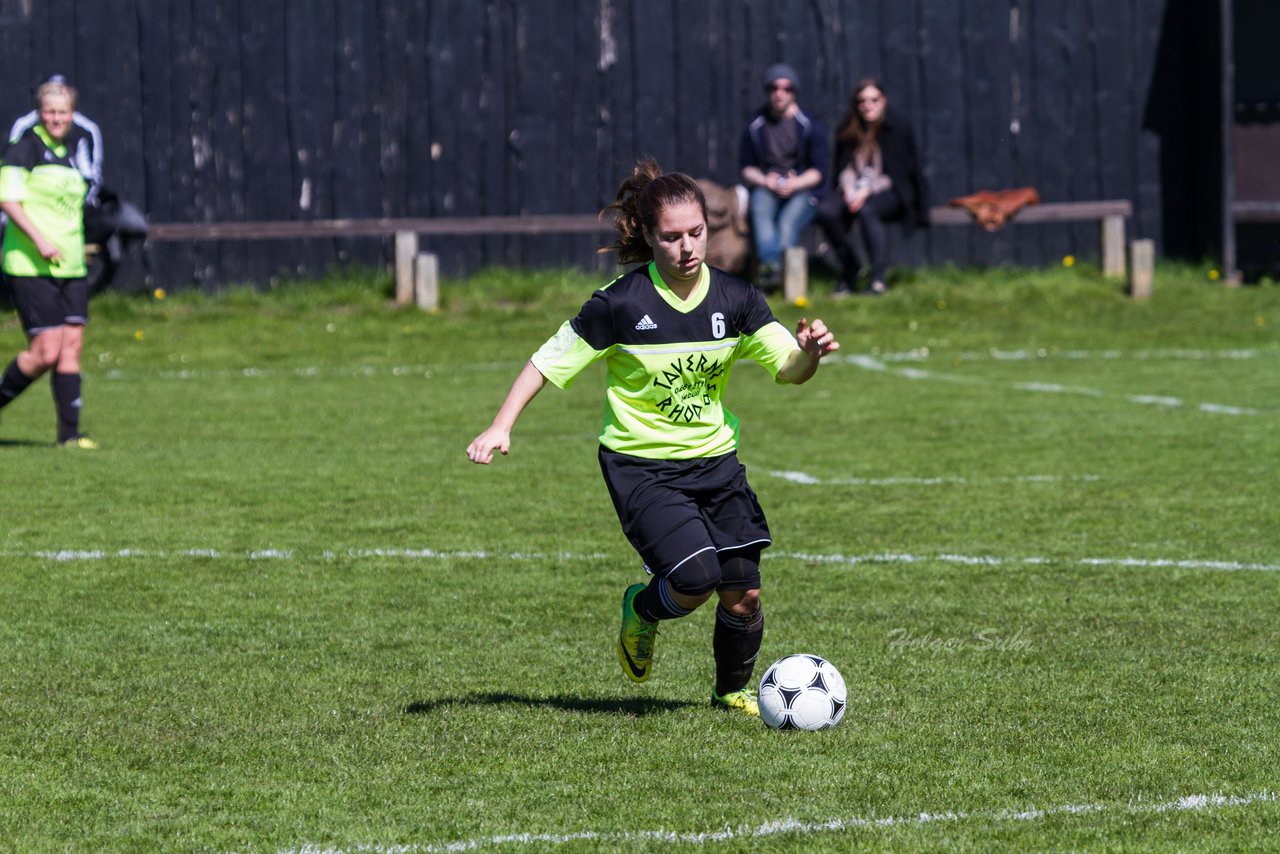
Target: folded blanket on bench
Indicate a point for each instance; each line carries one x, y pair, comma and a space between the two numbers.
728, 244
993, 208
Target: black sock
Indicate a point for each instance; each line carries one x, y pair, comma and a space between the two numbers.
13, 383
66, 397
654, 603
736, 643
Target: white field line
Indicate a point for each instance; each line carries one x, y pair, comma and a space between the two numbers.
806, 479
867, 362
1186, 804
923, 354
991, 560
306, 372
73, 555
111, 365
871, 363
289, 554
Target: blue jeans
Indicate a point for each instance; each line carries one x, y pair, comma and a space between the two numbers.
776, 223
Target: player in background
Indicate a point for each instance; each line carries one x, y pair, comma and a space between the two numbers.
42, 193
670, 332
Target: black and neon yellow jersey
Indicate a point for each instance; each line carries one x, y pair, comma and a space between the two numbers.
668, 359
40, 173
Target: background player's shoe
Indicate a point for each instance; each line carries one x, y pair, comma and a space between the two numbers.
635, 639
83, 443
737, 701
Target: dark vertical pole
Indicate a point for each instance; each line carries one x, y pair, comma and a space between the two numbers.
1227, 64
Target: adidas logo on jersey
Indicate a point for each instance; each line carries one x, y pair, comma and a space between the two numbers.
646, 322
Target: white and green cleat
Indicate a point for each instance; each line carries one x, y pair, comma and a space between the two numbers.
635, 639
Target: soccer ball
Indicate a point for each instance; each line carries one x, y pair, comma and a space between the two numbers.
802, 692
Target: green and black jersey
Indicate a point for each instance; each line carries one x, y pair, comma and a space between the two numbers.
40, 173
668, 359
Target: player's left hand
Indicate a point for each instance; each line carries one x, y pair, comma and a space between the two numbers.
815, 339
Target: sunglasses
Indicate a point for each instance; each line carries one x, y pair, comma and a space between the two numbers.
781, 87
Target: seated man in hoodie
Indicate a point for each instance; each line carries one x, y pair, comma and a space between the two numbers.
783, 158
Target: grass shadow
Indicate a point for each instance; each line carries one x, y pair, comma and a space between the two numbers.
24, 443
635, 706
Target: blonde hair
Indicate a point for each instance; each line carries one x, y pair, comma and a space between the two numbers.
55, 87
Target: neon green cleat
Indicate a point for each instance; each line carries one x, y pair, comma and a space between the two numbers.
83, 443
635, 639
737, 701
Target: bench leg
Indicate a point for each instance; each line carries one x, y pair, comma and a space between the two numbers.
426, 281
1142, 263
795, 273
406, 252
1113, 246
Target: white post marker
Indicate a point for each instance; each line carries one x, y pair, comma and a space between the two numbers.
426, 281
1113, 246
795, 273
406, 252
1142, 261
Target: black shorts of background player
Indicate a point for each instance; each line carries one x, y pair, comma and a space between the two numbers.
670, 332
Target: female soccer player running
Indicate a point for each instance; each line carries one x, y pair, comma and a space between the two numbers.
670, 332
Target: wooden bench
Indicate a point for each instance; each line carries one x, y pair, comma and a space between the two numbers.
417, 273
1110, 216
320, 228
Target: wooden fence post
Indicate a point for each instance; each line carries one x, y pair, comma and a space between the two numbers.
406, 252
1142, 260
795, 273
426, 281
1113, 246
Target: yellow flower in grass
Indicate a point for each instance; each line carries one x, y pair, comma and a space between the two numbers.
1068, 260
138, 336
802, 302
1214, 275
158, 293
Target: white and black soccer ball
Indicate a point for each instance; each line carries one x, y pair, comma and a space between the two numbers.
802, 692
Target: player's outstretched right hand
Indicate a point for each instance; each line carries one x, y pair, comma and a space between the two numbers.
482, 447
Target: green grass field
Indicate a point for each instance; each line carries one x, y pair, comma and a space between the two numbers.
1033, 523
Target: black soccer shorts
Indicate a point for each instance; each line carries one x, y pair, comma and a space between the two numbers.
671, 510
45, 303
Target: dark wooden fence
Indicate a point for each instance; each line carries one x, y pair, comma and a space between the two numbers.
217, 110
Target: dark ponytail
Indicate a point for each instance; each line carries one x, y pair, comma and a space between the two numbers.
640, 199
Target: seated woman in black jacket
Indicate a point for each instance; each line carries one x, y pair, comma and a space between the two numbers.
877, 178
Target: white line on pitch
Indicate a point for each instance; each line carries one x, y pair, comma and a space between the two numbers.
1188, 803
70, 555
870, 363
923, 354
807, 479
307, 372
991, 560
